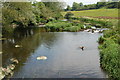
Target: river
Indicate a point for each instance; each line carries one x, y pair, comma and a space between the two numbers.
64, 57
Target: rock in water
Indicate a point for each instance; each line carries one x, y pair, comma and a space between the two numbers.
42, 58
17, 46
11, 66
1, 74
13, 60
1, 52
2, 38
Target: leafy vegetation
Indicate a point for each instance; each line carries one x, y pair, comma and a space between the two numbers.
68, 15
23, 14
110, 52
64, 26
94, 22
80, 6
18, 13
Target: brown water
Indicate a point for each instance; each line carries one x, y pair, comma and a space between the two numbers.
64, 57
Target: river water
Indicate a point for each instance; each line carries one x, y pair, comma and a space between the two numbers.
64, 57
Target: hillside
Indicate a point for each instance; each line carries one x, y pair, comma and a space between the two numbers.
102, 13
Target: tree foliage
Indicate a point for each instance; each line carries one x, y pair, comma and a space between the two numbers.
27, 13
68, 15
98, 5
19, 13
68, 8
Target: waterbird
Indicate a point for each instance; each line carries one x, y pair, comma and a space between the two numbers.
82, 47
1, 52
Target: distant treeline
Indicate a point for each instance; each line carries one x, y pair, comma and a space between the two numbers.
80, 6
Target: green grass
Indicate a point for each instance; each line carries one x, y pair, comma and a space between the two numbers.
94, 22
96, 13
110, 52
110, 58
64, 26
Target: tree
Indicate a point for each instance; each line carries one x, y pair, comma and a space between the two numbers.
112, 5
56, 7
19, 13
68, 8
75, 6
68, 15
41, 12
81, 4
100, 4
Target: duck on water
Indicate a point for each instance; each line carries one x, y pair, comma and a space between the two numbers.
82, 47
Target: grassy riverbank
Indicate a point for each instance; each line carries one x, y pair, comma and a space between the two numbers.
110, 52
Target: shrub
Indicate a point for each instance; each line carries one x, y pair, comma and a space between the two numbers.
110, 54
64, 26
68, 15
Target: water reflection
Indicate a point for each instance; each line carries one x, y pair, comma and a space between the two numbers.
64, 58
29, 39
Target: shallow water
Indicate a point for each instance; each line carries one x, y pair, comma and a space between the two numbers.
64, 57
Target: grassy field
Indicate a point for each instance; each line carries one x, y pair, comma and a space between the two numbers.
96, 13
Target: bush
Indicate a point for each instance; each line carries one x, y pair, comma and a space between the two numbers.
57, 25
68, 15
64, 26
110, 54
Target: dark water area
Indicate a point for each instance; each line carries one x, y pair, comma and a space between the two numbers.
64, 57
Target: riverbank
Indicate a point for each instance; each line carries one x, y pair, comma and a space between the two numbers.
110, 52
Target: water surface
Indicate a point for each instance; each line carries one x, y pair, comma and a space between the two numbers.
64, 57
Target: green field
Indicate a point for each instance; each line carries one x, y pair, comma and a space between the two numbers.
96, 13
